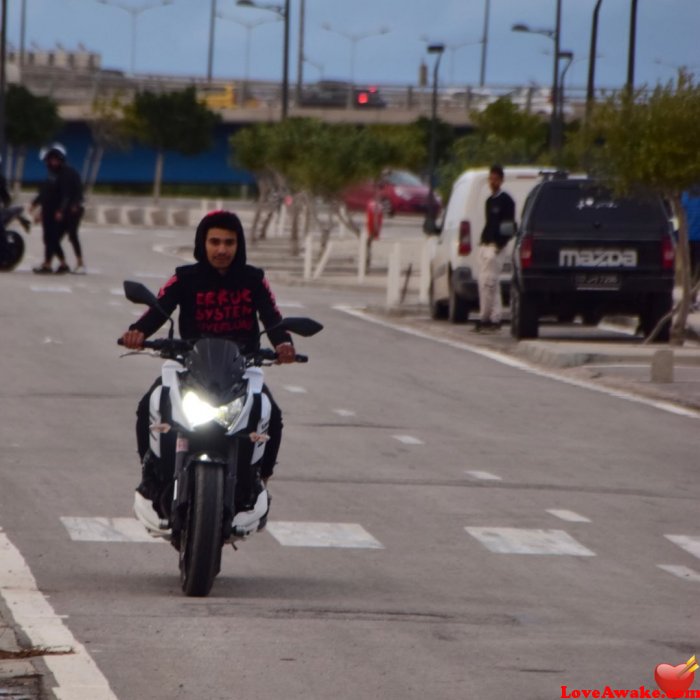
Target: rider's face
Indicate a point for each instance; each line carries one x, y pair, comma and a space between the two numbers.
221, 246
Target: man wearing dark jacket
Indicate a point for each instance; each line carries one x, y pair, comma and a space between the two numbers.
61, 200
500, 208
222, 296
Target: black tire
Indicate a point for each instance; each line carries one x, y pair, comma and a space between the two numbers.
438, 309
200, 547
524, 321
13, 251
657, 307
457, 308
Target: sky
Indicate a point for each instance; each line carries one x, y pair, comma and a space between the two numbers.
174, 39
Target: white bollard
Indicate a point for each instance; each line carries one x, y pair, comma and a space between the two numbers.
308, 256
393, 278
323, 261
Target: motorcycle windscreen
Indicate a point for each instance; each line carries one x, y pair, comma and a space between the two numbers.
217, 366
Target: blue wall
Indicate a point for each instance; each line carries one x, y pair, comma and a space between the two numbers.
137, 165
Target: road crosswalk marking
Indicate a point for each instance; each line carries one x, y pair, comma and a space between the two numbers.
691, 543
343, 412
681, 571
483, 476
296, 389
568, 515
107, 530
51, 288
408, 439
311, 534
512, 540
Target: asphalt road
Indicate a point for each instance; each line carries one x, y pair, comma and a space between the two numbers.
436, 456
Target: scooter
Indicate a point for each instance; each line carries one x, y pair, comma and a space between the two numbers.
212, 400
11, 242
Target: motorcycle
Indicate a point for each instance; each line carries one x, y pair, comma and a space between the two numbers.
212, 399
11, 242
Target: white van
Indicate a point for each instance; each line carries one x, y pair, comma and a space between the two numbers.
453, 265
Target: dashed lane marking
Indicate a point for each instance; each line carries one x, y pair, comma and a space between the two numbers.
568, 515
107, 530
483, 476
309, 534
691, 543
512, 540
51, 288
290, 305
344, 413
76, 675
683, 572
296, 389
408, 439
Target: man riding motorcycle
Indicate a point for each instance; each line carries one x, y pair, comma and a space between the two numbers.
219, 296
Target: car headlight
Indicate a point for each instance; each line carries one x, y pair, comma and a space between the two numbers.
198, 412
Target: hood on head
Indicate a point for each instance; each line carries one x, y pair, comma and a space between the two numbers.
226, 220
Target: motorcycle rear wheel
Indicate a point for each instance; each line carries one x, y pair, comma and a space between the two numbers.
201, 542
12, 251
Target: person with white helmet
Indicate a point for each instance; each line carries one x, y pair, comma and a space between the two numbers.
61, 200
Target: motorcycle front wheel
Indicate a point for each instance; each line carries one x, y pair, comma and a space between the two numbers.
200, 545
11, 251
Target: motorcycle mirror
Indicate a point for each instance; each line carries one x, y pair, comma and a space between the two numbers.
304, 327
138, 293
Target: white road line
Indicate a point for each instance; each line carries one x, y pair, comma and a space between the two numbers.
122, 232
152, 275
290, 305
569, 515
691, 543
483, 476
76, 674
504, 359
117, 292
107, 530
343, 412
306, 534
51, 288
296, 389
681, 571
408, 439
513, 540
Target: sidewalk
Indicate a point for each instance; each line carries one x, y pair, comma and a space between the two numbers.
19, 679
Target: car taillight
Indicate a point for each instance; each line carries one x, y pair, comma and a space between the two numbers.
465, 238
526, 251
363, 98
668, 252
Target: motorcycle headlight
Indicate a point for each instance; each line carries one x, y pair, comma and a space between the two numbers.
198, 412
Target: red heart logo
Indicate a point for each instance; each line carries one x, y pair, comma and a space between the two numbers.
673, 680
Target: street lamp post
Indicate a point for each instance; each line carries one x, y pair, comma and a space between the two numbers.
590, 89
283, 12
632, 45
212, 28
300, 51
354, 38
484, 44
22, 32
135, 12
3, 62
429, 224
554, 35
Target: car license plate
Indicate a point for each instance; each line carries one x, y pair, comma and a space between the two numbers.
597, 282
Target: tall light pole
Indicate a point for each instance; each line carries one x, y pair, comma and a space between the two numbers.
135, 12
3, 62
22, 32
590, 88
212, 29
283, 12
300, 50
554, 35
632, 45
484, 44
429, 224
354, 38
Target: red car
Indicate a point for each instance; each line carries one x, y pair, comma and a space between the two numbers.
399, 191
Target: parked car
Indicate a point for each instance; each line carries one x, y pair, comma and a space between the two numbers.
454, 269
582, 251
399, 191
339, 93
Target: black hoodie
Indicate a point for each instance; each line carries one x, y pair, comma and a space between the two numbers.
212, 304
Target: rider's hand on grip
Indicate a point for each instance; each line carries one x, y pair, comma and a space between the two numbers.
133, 340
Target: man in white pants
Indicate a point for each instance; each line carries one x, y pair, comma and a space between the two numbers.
500, 208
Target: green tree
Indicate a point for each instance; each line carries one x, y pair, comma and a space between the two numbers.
170, 121
649, 142
503, 133
31, 121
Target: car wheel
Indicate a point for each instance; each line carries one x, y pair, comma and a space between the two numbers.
524, 321
457, 308
438, 309
657, 307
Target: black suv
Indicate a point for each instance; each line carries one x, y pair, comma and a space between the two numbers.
582, 251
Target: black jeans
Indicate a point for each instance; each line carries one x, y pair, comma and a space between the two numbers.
71, 225
53, 232
272, 447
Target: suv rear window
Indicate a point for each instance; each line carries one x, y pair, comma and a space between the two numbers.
589, 205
